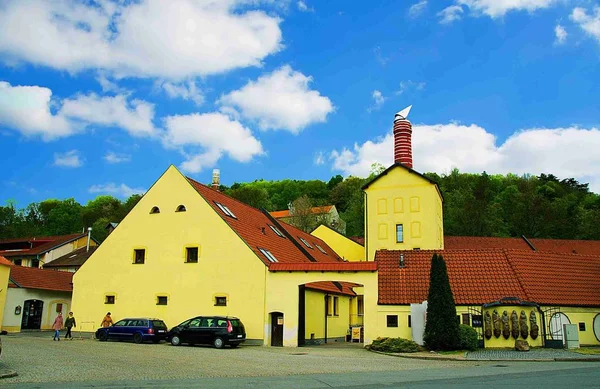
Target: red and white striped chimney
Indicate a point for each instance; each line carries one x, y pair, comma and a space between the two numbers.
402, 138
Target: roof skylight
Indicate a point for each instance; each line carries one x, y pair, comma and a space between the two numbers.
306, 243
321, 249
268, 255
276, 230
225, 210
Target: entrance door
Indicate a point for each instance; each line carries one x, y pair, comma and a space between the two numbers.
32, 315
277, 329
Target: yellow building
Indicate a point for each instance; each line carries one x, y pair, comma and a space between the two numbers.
186, 249
348, 249
5, 266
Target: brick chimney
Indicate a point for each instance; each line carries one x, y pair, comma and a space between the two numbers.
216, 179
402, 138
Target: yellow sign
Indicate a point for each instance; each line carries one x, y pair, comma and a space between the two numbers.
355, 333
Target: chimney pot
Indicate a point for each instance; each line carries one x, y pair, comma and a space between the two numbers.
401, 260
216, 179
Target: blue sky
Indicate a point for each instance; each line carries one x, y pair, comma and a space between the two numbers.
99, 97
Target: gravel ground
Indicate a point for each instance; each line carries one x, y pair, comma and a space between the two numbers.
39, 359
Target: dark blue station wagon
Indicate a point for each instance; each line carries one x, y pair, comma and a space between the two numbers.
136, 329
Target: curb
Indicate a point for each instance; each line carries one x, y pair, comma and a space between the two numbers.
422, 357
426, 358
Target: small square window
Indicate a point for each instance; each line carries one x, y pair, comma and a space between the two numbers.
392, 320
399, 233
466, 320
161, 300
18, 262
220, 301
140, 256
581, 326
191, 254
109, 299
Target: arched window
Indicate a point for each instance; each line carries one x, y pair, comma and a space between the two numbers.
181, 208
155, 210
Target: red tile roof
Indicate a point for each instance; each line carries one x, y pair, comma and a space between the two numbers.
4, 261
313, 210
75, 258
344, 288
253, 226
486, 275
334, 266
480, 242
49, 243
33, 278
586, 247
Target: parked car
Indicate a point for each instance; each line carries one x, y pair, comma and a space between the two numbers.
214, 330
136, 329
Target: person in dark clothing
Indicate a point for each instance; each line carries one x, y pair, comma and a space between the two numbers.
69, 323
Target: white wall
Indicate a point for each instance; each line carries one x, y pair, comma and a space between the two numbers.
17, 296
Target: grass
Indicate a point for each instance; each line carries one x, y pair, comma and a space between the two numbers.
588, 350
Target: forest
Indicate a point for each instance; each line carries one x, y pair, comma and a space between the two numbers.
474, 205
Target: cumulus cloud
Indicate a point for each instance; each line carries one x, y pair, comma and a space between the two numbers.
410, 85
498, 8
417, 9
319, 158
27, 109
561, 34
183, 90
378, 100
442, 147
303, 7
71, 158
205, 138
141, 39
112, 157
589, 23
134, 116
450, 14
281, 100
116, 190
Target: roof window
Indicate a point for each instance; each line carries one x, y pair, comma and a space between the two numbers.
268, 255
276, 230
306, 243
225, 210
321, 249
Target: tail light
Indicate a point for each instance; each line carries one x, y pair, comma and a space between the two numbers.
229, 327
150, 330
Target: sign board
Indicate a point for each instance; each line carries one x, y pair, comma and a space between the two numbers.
356, 333
279, 320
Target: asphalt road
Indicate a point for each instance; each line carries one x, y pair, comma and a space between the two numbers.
42, 363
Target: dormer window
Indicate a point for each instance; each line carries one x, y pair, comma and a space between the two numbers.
225, 210
155, 210
181, 208
306, 243
277, 231
268, 255
321, 249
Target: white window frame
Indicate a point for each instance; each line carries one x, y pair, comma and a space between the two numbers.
305, 242
225, 210
321, 249
402, 228
276, 230
268, 255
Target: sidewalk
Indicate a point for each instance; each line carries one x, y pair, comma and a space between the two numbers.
5, 372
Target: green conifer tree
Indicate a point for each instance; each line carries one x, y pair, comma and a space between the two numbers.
441, 329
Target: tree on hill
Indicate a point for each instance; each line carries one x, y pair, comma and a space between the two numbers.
441, 329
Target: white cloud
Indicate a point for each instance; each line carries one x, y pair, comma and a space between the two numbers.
210, 136
280, 100
498, 8
185, 91
27, 110
134, 116
141, 39
108, 85
561, 34
417, 9
117, 190
319, 158
383, 60
410, 85
378, 100
442, 147
450, 14
303, 7
589, 23
112, 157
69, 159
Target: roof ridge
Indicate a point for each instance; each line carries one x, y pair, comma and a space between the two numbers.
515, 273
224, 194
289, 236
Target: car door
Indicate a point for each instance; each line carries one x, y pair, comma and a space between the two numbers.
116, 330
190, 333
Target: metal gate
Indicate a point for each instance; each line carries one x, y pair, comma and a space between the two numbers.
553, 320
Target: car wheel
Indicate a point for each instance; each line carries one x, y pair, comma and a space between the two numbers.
175, 341
218, 343
103, 336
137, 338
233, 345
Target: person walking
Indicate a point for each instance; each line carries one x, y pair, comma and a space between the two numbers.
107, 321
69, 323
57, 326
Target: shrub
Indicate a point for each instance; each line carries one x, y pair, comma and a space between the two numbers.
469, 340
441, 329
394, 345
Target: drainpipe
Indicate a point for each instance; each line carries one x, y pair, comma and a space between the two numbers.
326, 308
89, 237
